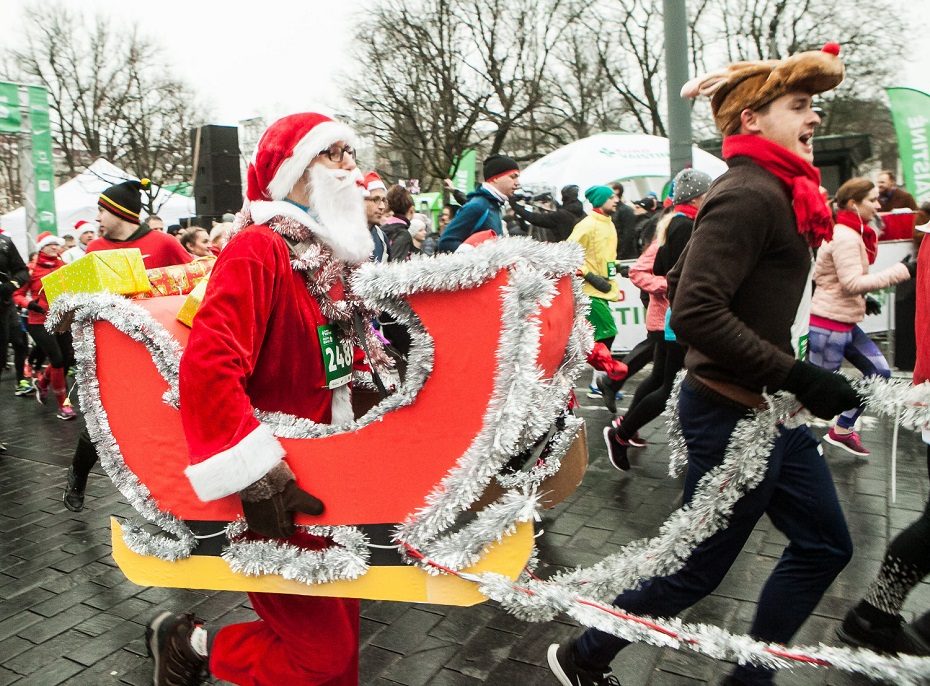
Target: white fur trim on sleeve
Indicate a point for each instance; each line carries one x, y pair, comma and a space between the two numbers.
233, 469
318, 138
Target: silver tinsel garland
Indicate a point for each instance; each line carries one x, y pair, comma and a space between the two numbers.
542, 601
550, 465
743, 467
347, 559
897, 398
523, 407
137, 323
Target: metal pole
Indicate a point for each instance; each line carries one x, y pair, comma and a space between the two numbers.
675, 17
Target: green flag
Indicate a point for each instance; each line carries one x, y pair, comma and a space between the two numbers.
10, 121
43, 167
910, 110
464, 177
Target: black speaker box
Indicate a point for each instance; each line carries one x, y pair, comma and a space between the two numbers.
217, 180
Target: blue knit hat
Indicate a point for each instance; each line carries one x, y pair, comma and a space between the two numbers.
598, 195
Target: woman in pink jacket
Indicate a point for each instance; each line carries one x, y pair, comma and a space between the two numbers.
842, 279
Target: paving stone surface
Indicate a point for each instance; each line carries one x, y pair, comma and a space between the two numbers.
68, 616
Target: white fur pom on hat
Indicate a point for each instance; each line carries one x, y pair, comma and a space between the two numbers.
286, 149
47, 239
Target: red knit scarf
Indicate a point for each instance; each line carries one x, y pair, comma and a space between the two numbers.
869, 237
800, 177
690, 211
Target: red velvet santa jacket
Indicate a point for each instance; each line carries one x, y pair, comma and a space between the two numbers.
254, 345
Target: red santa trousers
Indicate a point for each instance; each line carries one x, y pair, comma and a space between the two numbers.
299, 639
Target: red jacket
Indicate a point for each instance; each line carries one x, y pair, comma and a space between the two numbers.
158, 249
254, 345
922, 320
32, 290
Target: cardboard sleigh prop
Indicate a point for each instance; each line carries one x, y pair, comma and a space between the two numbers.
498, 337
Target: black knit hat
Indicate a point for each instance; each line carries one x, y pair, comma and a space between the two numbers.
498, 165
124, 199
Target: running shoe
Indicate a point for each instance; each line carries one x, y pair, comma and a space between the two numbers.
616, 449
569, 673
636, 440
850, 442
66, 413
24, 388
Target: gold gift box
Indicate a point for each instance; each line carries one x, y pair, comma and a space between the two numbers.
192, 303
113, 271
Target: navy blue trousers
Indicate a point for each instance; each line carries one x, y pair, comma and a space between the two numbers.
797, 494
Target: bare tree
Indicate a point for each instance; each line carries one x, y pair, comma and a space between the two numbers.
525, 76
411, 100
108, 95
445, 75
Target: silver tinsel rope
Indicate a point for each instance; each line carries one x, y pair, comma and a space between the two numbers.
137, 323
522, 410
347, 559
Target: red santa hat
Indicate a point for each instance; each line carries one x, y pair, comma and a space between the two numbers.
372, 182
82, 226
286, 149
47, 238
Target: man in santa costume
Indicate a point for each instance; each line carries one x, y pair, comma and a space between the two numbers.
277, 298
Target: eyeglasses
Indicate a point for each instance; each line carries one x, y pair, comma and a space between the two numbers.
336, 154
377, 201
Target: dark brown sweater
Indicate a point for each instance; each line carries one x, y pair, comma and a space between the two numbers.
737, 288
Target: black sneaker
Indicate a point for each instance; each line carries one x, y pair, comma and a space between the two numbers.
562, 664
168, 639
608, 392
635, 441
73, 498
857, 631
616, 449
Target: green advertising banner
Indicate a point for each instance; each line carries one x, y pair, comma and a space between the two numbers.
910, 110
464, 177
43, 167
10, 121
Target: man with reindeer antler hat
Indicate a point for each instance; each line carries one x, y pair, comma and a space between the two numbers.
740, 300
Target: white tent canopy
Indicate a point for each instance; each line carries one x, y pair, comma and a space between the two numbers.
76, 199
612, 156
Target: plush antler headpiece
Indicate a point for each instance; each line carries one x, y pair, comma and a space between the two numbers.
753, 85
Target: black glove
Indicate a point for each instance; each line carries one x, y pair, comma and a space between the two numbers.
824, 393
872, 306
35, 307
911, 265
269, 504
599, 282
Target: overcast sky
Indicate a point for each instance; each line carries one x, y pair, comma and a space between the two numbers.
274, 57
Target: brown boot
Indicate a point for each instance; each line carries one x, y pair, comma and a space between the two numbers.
168, 638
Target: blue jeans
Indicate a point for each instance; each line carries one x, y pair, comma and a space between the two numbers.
828, 348
797, 494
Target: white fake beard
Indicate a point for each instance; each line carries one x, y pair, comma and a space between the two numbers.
337, 198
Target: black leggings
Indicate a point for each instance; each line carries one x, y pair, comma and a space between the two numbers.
85, 457
653, 392
906, 563
639, 356
12, 334
56, 345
